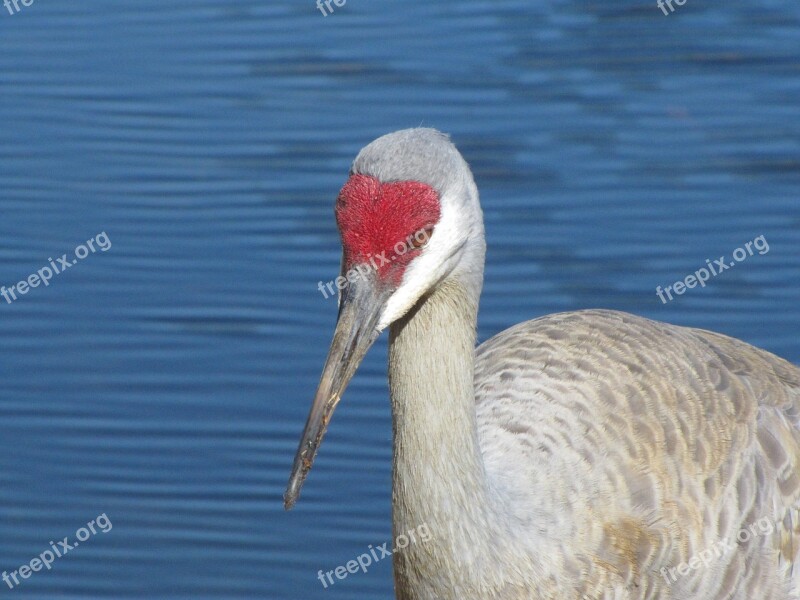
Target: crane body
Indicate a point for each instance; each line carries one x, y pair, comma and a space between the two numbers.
589, 455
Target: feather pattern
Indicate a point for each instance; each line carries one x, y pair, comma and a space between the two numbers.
673, 451
591, 455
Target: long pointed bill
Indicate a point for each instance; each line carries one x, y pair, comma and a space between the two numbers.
359, 310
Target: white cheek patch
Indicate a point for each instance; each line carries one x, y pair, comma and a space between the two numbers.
438, 258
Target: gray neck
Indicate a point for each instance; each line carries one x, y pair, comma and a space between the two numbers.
439, 480
431, 367
470, 545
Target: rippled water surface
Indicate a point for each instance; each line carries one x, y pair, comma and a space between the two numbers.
164, 382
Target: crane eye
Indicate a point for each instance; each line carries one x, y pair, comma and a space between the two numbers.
420, 238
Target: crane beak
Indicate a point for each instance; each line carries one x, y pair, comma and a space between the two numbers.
360, 307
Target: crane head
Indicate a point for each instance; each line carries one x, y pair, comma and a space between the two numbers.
408, 217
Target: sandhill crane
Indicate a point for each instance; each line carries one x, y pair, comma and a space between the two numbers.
583, 455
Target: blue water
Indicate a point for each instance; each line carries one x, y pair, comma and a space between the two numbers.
164, 382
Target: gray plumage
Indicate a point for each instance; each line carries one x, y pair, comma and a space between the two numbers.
591, 455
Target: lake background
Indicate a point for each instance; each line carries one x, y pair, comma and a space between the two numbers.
165, 382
